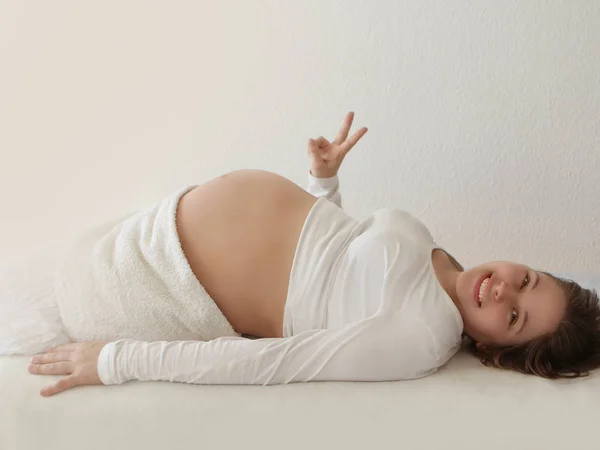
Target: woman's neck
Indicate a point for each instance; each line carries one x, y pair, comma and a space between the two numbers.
447, 270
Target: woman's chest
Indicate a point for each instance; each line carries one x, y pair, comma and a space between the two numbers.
380, 273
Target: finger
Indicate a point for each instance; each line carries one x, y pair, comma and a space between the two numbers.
343, 133
351, 142
51, 357
322, 141
313, 151
62, 385
63, 348
58, 368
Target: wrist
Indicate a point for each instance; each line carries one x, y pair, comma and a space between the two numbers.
316, 184
323, 173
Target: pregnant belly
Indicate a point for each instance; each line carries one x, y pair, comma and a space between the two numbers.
239, 233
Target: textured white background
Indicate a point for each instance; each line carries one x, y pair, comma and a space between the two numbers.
483, 115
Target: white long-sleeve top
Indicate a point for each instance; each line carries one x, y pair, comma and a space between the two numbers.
364, 304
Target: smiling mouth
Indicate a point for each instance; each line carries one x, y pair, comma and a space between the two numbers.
480, 289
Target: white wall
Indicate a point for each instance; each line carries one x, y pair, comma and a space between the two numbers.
483, 115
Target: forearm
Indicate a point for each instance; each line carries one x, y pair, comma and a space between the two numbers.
230, 360
222, 361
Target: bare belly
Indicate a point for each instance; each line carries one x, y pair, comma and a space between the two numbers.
239, 233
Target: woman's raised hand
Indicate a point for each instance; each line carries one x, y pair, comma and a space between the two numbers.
327, 157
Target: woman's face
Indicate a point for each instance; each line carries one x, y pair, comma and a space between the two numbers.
504, 303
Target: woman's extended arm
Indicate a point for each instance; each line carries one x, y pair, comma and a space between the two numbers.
380, 348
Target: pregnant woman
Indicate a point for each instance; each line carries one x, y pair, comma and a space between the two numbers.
172, 293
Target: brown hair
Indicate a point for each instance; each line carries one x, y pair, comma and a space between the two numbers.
571, 351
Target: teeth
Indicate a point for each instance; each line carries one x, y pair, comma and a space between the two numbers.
482, 290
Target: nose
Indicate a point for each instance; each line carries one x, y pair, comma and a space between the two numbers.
503, 292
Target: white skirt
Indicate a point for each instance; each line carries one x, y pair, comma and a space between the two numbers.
125, 279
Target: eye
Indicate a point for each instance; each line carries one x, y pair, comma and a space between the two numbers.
525, 281
515, 316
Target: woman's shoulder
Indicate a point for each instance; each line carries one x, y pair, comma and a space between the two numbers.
429, 345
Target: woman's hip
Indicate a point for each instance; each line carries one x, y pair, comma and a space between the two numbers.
127, 280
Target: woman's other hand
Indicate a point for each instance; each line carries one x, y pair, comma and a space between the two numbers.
78, 361
327, 157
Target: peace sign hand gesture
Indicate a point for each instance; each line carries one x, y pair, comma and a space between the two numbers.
327, 157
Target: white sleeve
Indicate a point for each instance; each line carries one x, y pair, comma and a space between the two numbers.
325, 187
375, 349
